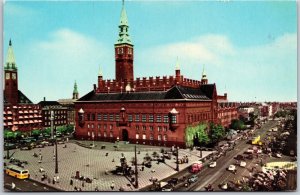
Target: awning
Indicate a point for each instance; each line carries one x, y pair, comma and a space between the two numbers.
35, 115
35, 111
25, 116
21, 122
40, 121
36, 121
15, 107
25, 122
25, 111
9, 118
30, 121
4, 118
20, 111
20, 117
9, 123
16, 122
9, 112
4, 112
30, 111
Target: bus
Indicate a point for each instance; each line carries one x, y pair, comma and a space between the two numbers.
17, 172
256, 141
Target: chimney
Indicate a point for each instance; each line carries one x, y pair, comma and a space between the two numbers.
44, 99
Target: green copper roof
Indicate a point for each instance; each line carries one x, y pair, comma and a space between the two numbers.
10, 59
75, 88
123, 28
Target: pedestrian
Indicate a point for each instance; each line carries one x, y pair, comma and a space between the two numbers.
143, 168
112, 186
96, 189
13, 185
53, 181
82, 184
106, 154
113, 160
57, 179
75, 188
49, 180
106, 172
71, 182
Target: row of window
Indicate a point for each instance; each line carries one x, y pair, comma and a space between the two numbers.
56, 117
137, 127
137, 136
197, 117
56, 123
48, 112
131, 118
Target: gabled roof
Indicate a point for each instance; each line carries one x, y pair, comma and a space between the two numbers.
208, 89
23, 99
176, 92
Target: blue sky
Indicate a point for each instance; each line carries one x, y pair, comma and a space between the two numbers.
249, 48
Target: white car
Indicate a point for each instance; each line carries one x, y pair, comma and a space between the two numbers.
259, 151
213, 164
250, 151
243, 164
278, 155
224, 186
231, 168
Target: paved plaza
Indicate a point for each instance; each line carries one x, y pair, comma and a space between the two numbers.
93, 163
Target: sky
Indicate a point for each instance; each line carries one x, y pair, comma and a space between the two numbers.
248, 48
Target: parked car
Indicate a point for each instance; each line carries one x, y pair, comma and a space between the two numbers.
193, 179
196, 167
278, 155
231, 168
239, 157
212, 164
243, 164
173, 181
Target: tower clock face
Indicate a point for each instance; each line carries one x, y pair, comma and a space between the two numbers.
14, 76
7, 76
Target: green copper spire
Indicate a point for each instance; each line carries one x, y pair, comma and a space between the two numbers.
177, 67
10, 59
203, 73
100, 72
75, 91
123, 28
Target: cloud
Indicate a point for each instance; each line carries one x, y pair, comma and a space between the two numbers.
60, 59
267, 71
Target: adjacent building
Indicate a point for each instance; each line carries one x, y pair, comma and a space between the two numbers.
19, 111
155, 110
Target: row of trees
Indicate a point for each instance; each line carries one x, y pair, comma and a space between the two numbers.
203, 135
9, 134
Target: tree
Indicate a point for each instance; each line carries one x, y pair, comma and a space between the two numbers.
237, 124
35, 133
8, 134
217, 132
202, 136
198, 132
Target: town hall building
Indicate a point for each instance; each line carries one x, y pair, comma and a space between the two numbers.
153, 111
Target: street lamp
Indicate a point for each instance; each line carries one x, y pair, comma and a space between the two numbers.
177, 162
51, 121
56, 154
136, 169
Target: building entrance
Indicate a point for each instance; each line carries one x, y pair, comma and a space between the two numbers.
124, 135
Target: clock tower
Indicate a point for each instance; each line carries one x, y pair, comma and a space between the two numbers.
11, 77
124, 51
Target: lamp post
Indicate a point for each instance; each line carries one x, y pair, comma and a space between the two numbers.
136, 169
56, 154
51, 121
177, 162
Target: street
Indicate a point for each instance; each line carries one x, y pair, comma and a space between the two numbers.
26, 185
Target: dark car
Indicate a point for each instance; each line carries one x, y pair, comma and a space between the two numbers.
173, 181
239, 157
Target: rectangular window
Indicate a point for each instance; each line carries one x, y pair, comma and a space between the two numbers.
88, 126
174, 119
159, 138
158, 118
88, 117
137, 118
165, 137
117, 117
166, 119
92, 126
93, 117
144, 128
99, 117
144, 119
151, 136
137, 127
151, 128
130, 117
104, 134
105, 117
159, 128
111, 134
144, 136
104, 127
110, 127
151, 118
111, 117
137, 136
165, 128
99, 126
